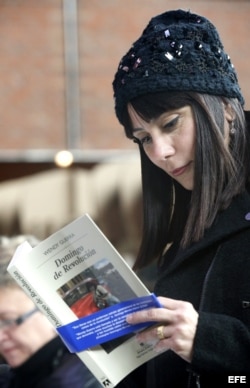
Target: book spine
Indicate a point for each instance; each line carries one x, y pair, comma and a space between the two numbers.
32, 294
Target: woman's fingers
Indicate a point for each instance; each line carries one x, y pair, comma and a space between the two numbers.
176, 328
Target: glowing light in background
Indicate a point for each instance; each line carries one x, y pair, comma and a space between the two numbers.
64, 158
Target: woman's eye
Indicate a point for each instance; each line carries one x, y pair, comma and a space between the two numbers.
171, 124
145, 140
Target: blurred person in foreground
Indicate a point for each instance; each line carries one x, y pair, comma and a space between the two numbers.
29, 344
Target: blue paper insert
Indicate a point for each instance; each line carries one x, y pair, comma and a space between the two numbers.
105, 325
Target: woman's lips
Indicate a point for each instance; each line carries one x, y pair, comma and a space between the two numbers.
9, 350
180, 170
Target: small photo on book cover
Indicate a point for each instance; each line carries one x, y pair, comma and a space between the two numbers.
96, 288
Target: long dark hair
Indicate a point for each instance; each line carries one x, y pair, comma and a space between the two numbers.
170, 213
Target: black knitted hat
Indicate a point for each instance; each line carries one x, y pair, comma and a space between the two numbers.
177, 51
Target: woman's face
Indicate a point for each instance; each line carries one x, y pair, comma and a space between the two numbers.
19, 342
169, 142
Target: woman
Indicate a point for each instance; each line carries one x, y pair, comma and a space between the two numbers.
28, 343
177, 96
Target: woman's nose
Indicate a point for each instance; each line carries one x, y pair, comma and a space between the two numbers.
162, 148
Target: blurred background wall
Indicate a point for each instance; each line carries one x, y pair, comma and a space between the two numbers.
57, 62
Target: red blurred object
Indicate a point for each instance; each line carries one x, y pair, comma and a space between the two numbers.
85, 306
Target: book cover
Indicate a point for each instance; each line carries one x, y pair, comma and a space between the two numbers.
85, 288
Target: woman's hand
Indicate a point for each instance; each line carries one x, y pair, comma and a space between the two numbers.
176, 330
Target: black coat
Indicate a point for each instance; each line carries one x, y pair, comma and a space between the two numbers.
51, 367
214, 275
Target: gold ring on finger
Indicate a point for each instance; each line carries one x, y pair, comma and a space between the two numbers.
160, 333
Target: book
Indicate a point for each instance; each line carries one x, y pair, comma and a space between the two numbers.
85, 288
